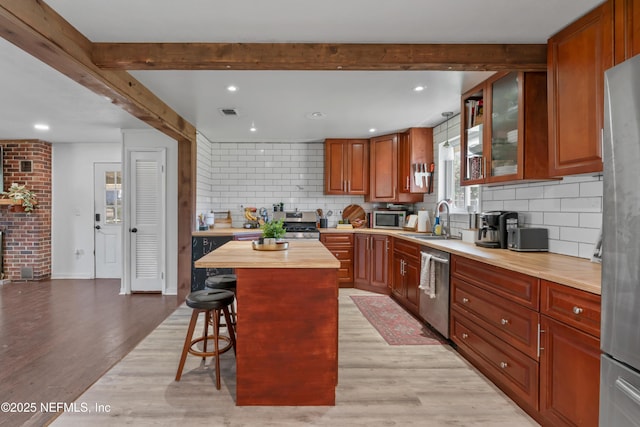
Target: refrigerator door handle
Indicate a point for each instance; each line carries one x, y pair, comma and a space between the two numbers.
629, 390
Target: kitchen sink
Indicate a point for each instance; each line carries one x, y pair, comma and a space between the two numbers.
424, 236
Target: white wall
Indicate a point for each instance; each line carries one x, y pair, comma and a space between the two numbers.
146, 139
72, 206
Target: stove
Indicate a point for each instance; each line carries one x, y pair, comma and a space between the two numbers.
299, 225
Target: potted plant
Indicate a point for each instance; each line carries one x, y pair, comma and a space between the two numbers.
273, 230
21, 196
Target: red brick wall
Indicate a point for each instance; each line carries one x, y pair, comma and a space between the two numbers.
27, 237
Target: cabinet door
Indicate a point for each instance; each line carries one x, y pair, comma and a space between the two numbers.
577, 57
379, 261
504, 154
397, 282
357, 166
361, 260
472, 143
569, 375
627, 29
334, 158
415, 146
412, 281
384, 168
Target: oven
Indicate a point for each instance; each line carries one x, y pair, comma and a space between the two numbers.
299, 225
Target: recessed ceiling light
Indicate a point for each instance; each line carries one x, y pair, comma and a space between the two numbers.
419, 88
316, 115
253, 128
372, 130
232, 88
41, 126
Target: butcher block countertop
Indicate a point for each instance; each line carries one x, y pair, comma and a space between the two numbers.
566, 270
239, 254
575, 272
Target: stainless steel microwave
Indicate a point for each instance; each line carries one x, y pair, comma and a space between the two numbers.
389, 219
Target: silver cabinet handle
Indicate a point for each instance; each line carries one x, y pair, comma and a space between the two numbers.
504, 365
465, 300
577, 310
504, 321
465, 336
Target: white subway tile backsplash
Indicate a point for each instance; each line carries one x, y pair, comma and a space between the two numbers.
561, 219
582, 204
516, 205
544, 205
561, 190
566, 248
580, 235
591, 220
586, 250
591, 189
492, 205
536, 192
505, 194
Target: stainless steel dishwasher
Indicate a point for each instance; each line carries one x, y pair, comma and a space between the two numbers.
435, 311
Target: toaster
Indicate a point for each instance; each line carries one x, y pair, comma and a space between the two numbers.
528, 239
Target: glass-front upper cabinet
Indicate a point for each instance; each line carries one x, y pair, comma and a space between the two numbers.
504, 129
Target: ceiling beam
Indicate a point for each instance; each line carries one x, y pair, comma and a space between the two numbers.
37, 29
320, 56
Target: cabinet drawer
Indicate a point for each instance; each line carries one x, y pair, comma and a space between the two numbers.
574, 307
508, 284
512, 371
336, 239
507, 320
343, 254
407, 248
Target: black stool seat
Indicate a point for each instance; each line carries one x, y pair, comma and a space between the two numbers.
222, 281
210, 299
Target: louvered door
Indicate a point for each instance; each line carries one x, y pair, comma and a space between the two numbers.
146, 231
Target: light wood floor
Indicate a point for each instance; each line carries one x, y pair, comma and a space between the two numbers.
379, 385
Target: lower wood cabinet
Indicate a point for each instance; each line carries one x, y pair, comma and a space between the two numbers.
371, 262
341, 246
536, 340
514, 372
570, 356
406, 275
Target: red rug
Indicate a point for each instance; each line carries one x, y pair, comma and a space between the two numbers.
394, 324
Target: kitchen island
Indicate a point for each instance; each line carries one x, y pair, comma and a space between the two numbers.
287, 344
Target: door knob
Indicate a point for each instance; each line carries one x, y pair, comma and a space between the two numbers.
98, 227
134, 230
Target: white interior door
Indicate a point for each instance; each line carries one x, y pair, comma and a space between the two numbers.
108, 220
148, 221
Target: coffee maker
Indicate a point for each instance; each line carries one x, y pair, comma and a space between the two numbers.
493, 232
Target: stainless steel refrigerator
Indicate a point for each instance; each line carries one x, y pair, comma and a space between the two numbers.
620, 334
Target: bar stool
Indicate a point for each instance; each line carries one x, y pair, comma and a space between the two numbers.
226, 282
212, 302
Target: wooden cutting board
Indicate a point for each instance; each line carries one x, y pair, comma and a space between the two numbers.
352, 212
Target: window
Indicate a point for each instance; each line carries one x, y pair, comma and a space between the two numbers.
461, 199
113, 197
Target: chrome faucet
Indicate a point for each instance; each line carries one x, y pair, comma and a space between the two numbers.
446, 231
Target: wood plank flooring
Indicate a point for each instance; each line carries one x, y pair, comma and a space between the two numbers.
58, 337
379, 385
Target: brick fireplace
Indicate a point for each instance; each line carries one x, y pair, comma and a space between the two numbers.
27, 236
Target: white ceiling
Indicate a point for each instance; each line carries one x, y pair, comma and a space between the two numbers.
277, 102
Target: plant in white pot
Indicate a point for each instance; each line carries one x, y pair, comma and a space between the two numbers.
273, 231
22, 196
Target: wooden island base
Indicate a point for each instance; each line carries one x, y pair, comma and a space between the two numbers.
287, 329
287, 336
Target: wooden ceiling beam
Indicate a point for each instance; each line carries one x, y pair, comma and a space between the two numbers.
319, 56
37, 29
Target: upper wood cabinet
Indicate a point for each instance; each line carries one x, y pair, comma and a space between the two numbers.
577, 58
415, 147
346, 166
504, 129
384, 173
627, 29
